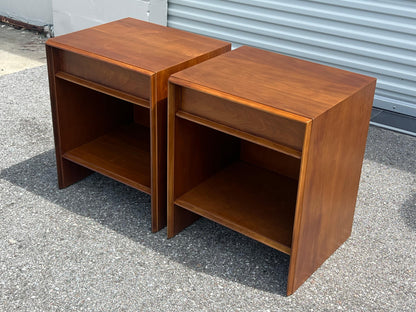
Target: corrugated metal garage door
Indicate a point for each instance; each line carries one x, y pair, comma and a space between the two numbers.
373, 37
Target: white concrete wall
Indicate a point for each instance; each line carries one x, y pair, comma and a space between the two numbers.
72, 15
34, 12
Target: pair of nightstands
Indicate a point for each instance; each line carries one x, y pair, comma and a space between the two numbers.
265, 144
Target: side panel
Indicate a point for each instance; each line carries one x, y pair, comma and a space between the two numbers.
328, 184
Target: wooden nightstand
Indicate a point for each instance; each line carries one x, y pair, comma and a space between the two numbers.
270, 146
108, 87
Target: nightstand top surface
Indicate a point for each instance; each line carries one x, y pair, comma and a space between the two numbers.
282, 82
144, 45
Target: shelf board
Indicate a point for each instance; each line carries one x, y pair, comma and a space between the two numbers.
250, 200
103, 89
123, 154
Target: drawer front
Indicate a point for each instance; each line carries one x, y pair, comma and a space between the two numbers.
281, 130
104, 73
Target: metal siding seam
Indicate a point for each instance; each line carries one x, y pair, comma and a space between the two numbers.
376, 38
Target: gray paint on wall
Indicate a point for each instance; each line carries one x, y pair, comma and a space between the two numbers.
34, 12
69, 16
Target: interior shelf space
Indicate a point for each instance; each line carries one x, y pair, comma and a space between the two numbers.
122, 154
104, 132
248, 199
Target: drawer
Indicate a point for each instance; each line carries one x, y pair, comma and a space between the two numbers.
104, 73
276, 128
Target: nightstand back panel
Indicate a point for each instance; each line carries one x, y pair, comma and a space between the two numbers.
77, 106
270, 159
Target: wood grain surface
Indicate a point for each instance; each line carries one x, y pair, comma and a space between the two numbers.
99, 77
282, 82
301, 130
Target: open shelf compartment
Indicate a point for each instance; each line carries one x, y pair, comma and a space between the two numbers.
123, 154
247, 199
104, 132
244, 186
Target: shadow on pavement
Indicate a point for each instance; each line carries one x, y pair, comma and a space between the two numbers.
203, 247
397, 151
408, 212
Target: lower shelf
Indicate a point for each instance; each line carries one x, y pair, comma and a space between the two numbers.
250, 200
123, 155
